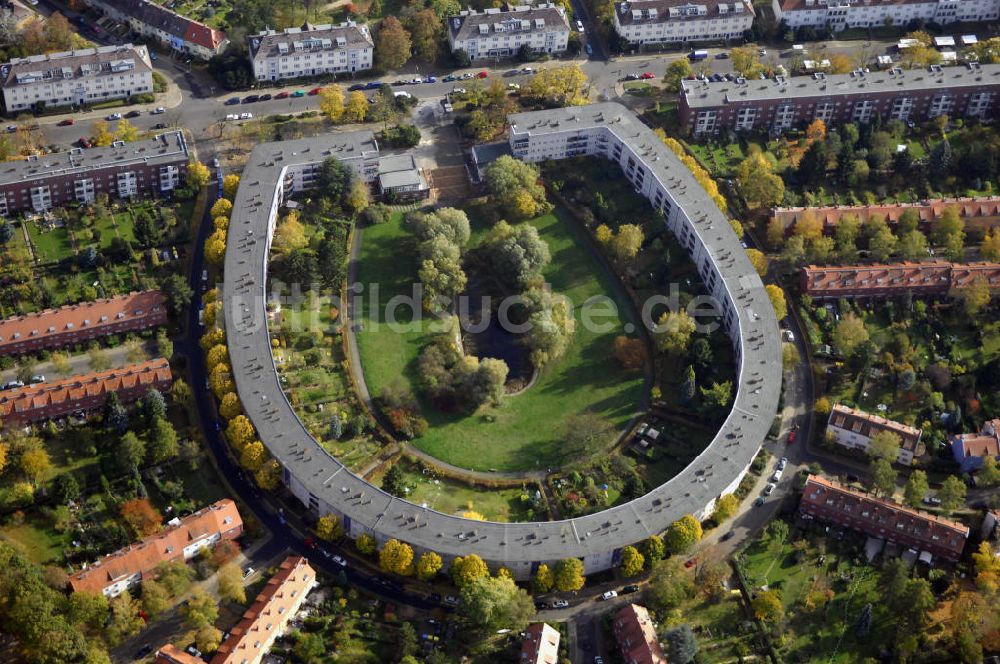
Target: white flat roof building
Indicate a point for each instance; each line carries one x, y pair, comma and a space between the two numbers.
842, 14
311, 50
84, 76
659, 21
493, 33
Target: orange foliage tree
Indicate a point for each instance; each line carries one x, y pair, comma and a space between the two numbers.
142, 516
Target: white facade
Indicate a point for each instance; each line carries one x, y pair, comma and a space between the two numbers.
311, 51
659, 21
169, 28
498, 34
75, 78
842, 14
857, 429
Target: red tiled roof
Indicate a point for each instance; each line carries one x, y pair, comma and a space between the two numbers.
879, 517
171, 654
540, 645
173, 23
882, 279
867, 425
143, 557
81, 317
987, 206
636, 636
22, 403
979, 445
251, 638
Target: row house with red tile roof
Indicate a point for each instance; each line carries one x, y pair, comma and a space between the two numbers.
83, 392
182, 540
969, 449
636, 636
540, 645
850, 508
855, 429
982, 210
81, 323
168, 27
267, 617
171, 654
931, 278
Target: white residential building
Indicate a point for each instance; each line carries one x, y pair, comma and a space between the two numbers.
179, 33
500, 34
311, 50
841, 14
659, 21
855, 429
84, 76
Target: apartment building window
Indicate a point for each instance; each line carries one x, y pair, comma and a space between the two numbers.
705, 122
940, 105
862, 110
745, 118
901, 109
784, 116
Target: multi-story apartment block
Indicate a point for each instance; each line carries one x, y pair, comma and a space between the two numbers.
540, 645
969, 449
838, 15
493, 33
76, 78
980, 210
311, 50
266, 619
658, 21
152, 166
636, 636
780, 103
181, 540
169, 28
82, 393
80, 323
934, 278
932, 536
855, 429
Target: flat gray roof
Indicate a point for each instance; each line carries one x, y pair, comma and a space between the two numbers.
709, 94
167, 148
715, 469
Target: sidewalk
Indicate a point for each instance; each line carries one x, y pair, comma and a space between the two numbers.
172, 98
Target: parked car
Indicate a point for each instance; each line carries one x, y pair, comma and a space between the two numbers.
449, 78
791, 437
133, 114
247, 573
158, 111
776, 477
560, 604
339, 560
250, 99
265, 97
373, 85
931, 500
143, 652
782, 462
646, 75
37, 378
482, 74
232, 116
356, 86
232, 101
451, 600
611, 594
84, 142
527, 70
315, 91
728, 536
769, 489
724, 55
159, 125
431, 79
759, 501
193, 651
11, 129
114, 116
299, 93
513, 86
629, 589
691, 562
540, 606
67, 122
246, 116
281, 95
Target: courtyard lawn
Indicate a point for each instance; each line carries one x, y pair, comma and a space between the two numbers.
526, 430
50, 245
815, 632
43, 546
452, 497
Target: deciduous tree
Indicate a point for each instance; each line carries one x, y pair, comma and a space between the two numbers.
125, 619
777, 297
682, 535
392, 44
466, 569
328, 528
230, 185
674, 332
488, 604
767, 606
676, 72
569, 575
669, 584
200, 610
883, 477
725, 507
916, 488
885, 445
155, 598
331, 102
357, 106
758, 260
543, 580
850, 334
231, 583
951, 493
197, 175
758, 183
396, 557
632, 561
428, 565
427, 31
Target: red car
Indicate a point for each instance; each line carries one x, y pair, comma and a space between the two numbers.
84, 142
647, 75
482, 74
67, 122
691, 563
791, 437
281, 95
316, 91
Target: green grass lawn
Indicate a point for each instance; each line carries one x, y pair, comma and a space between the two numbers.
528, 429
50, 245
451, 497
41, 545
823, 633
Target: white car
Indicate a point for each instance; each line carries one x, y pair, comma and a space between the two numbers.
776, 477
579, 26
114, 116
232, 116
611, 594
513, 86
769, 489
158, 110
246, 116
560, 604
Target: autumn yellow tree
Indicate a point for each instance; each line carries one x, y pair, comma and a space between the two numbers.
253, 456
240, 432
777, 296
357, 106
221, 208
758, 260
269, 475
197, 175
231, 583
428, 566
102, 136
331, 102
990, 248
126, 131
35, 463
215, 247
464, 570
396, 557
328, 528
563, 85
290, 235
230, 406
230, 184
216, 355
